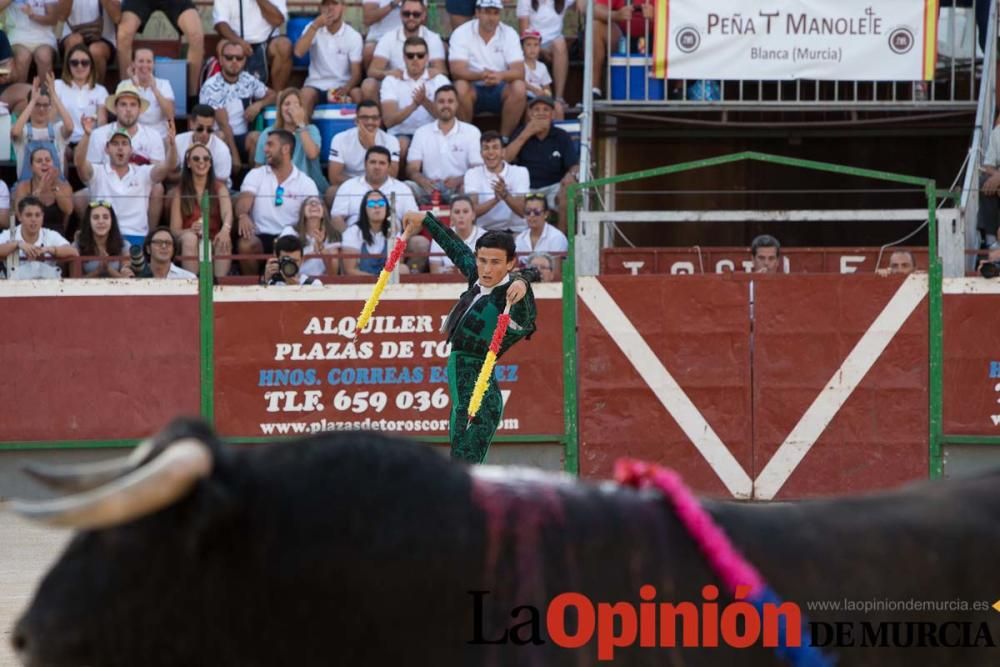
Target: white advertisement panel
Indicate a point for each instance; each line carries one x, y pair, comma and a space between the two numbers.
891, 40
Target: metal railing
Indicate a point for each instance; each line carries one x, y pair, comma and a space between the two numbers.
628, 64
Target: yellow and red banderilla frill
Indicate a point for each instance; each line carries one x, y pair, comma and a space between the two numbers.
383, 280
486, 371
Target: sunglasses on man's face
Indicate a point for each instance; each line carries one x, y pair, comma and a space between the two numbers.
231, 57
413, 56
79, 63
411, 15
202, 129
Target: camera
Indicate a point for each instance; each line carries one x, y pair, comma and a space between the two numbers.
137, 259
989, 269
288, 267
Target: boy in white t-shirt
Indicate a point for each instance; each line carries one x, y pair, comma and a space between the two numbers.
537, 79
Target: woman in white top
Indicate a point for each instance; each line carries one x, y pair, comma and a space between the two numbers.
546, 17
318, 237
463, 222
158, 92
31, 27
79, 91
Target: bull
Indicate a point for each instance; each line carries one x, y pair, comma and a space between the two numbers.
358, 549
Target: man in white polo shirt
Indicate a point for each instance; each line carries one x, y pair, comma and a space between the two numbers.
497, 188
442, 151
270, 199
147, 145
348, 149
347, 204
540, 236
255, 27
334, 50
127, 186
487, 66
408, 102
390, 61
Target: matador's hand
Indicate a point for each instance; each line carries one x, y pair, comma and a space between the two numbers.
516, 291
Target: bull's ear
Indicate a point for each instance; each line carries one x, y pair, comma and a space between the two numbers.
212, 516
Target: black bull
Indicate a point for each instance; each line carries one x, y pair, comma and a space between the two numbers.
357, 550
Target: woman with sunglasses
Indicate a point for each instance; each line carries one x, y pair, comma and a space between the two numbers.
318, 237
53, 192
292, 116
369, 238
79, 91
99, 236
91, 24
186, 215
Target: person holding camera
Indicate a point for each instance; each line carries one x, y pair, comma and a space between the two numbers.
285, 267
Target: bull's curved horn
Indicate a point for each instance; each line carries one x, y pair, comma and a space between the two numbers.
86, 476
162, 481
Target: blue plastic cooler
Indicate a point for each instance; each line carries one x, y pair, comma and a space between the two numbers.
631, 80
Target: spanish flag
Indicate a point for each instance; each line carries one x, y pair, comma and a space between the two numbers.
661, 25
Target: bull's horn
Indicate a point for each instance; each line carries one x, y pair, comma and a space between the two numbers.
86, 476
143, 491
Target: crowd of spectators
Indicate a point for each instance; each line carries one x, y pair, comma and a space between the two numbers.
103, 158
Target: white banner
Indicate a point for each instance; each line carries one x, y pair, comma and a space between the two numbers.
889, 40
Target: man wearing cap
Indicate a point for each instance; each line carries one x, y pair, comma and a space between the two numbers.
547, 152
126, 185
487, 66
147, 144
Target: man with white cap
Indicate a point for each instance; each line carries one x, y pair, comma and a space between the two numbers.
487, 66
126, 185
147, 145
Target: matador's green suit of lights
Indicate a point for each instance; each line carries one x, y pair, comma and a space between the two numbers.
470, 342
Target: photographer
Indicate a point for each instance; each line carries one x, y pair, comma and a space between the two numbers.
283, 268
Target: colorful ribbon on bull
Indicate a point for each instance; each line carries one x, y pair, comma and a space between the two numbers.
383, 279
724, 559
486, 370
